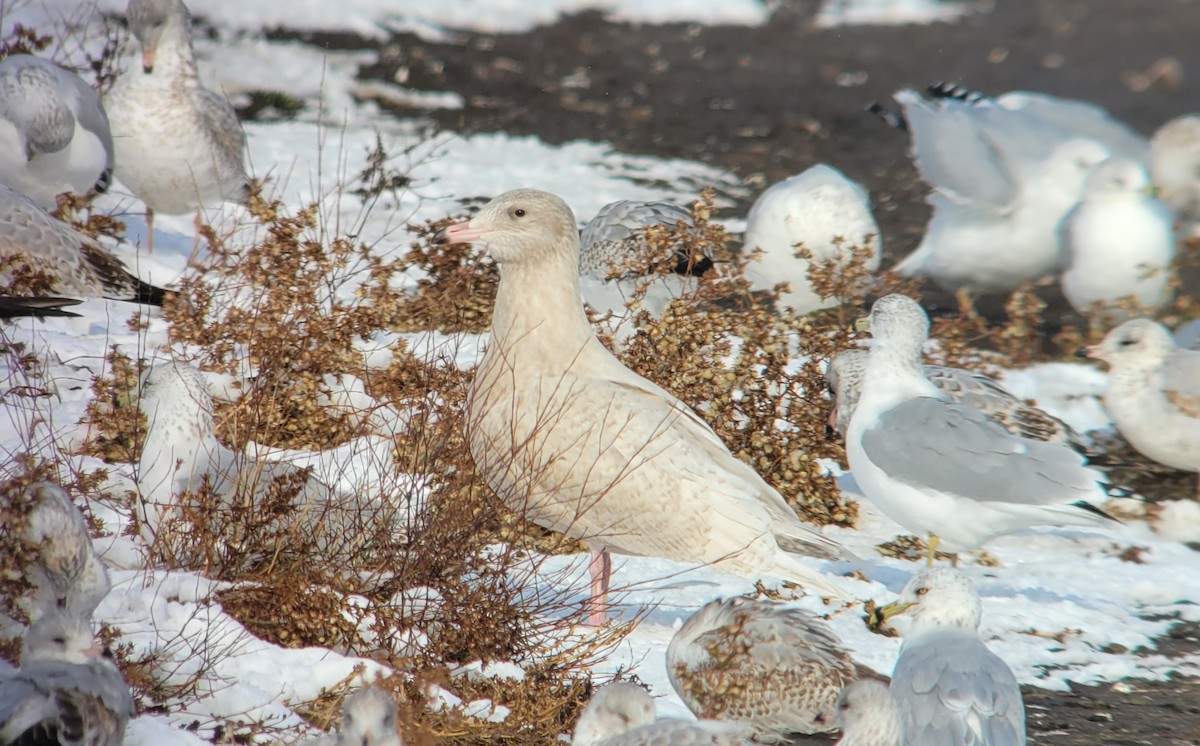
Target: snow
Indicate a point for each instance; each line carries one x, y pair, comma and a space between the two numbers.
1061, 606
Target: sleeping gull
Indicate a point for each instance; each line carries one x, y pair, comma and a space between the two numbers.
181, 455
944, 469
949, 687
1175, 165
54, 134
68, 689
1153, 392
965, 387
368, 719
1002, 182
44, 255
1118, 243
179, 145
616, 266
623, 714
67, 573
866, 714
569, 437
820, 210
771, 668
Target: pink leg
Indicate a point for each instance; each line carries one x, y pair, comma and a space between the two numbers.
149, 231
600, 568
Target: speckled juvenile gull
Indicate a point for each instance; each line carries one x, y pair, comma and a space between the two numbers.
821, 210
1153, 392
181, 454
368, 719
948, 686
571, 438
54, 134
944, 469
1002, 181
616, 266
68, 689
1175, 165
1118, 243
39, 253
965, 387
771, 668
867, 715
623, 714
179, 145
67, 572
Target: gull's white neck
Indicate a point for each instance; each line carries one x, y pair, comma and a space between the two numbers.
893, 375
539, 310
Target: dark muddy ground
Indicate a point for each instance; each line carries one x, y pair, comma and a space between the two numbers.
769, 102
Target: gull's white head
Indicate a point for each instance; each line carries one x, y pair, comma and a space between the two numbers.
615, 709
523, 226
1136, 342
61, 635
941, 597
867, 715
1118, 179
1070, 164
369, 719
150, 20
899, 327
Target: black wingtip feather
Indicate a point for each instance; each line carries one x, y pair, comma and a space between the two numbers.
16, 306
1093, 509
889, 117
946, 90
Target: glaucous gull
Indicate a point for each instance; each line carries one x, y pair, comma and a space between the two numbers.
571, 438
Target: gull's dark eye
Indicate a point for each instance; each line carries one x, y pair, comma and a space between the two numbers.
519, 212
107, 653
922, 591
844, 706
1125, 342
59, 640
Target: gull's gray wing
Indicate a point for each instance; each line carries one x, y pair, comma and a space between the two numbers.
979, 392
952, 691
953, 156
941, 445
31, 100
1080, 119
229, 139
617, 233
1181, 381
66, 703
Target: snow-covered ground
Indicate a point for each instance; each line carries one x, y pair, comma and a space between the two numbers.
1060, 606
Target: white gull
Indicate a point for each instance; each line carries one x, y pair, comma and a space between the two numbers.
623, 714
571, 438
820, 210
54, 134
948, 686
179, 145
946, 470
